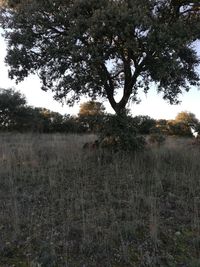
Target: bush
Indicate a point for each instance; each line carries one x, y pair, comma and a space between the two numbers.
91, 123
120, 133
156, 136
144, 124
179, 128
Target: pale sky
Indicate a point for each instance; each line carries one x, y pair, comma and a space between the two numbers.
152, 104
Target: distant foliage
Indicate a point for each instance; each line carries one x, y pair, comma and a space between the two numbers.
91, 116
187, 117
91, 108
182, 125
12, 109
120, 132
162, 126
156, 136
178, 128
16, 115
144, 124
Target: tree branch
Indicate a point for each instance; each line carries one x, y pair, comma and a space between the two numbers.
109, 86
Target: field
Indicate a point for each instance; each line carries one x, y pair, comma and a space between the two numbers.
62, 206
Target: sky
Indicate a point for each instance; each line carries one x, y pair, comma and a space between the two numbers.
151, 104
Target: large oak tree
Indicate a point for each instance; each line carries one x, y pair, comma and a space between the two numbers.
101, 47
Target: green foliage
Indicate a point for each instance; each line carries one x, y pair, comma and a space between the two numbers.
91, 108
96, 48
156, 136
162, 126
71, 124
91, 123
144, 124
187, 118
15, 115
12, 108
120, 133
178, 128
91, 116
182, 124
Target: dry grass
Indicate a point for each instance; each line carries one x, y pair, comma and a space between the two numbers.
63, 206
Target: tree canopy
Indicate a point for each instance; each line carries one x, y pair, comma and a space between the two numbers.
144, 124
188, 118
99, 48
91, 108
16, 115
11, 104
91, 115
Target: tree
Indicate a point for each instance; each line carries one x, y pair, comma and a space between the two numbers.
12, 104
97, 48
91, 108
162, 126
183, 123
187, 118
144, 124
178, 128
91, 115
16, 115
71, 125
47, 121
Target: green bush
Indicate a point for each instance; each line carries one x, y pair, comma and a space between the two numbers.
144, 124
120, 133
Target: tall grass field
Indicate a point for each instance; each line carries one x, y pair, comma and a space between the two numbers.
65, 206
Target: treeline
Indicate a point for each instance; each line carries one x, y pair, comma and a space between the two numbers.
16, 115
184, 124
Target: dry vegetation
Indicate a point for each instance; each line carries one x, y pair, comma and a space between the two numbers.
61, 205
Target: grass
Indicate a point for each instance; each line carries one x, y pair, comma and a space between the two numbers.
61, 205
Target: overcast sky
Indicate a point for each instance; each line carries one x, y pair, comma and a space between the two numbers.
152, 104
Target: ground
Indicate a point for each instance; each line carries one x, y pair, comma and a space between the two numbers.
62, 205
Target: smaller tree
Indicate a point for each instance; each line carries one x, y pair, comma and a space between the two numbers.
91, 115
12, 105
91, 108
178, 128
16, 115
25, 119
162, 126
47, 121
187, 118
144, 124
71, 124
183, 123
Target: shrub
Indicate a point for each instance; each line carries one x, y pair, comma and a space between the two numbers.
144, 124
157, 138
119, 133
179, 128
